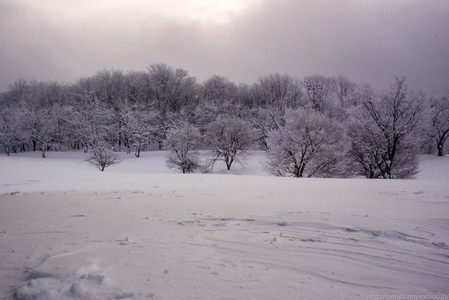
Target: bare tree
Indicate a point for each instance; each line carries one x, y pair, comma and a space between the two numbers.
383, 131
229, 139
182, 142
102, 157
309, 145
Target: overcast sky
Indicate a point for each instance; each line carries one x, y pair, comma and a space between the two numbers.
369, 41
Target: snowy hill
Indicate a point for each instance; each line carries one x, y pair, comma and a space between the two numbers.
142, 231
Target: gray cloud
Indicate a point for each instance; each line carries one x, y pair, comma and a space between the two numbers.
367, 40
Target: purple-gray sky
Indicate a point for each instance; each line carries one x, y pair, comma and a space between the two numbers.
369, 41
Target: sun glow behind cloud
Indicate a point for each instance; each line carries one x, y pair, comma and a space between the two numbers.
218, 11
202, 11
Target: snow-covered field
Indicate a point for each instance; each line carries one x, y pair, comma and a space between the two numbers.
142, 231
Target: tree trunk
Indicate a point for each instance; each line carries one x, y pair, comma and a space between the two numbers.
440, 149
228, 161
297, 172
120, 136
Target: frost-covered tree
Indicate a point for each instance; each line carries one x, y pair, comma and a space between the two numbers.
10, 131
161, 126
229, 138
265, 120
218, 98
108, 86
383, 130
102, 157
133, 109
40, 125
321, 92
138, 127
278, 90
439, 123
170, 89
182, 143
345, 90
218, 89
309, 145
88, 119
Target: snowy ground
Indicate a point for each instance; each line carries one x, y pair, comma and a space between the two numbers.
141, 231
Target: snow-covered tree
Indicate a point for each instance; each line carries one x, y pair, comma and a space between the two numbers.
309, 145
40, 125
217, 98
278, 90
321, 92
439, 123
345, 90
171, 89
161, 126
102, 157
265, 120
383, 132
138, 126
108, 86
218, 89
88, 119
182, 143
229, 138
10, 129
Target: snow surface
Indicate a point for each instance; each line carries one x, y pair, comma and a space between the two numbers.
142, 231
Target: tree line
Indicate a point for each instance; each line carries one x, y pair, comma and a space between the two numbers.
315, 127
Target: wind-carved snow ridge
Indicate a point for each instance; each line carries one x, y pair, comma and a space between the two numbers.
296, 246
215, 221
